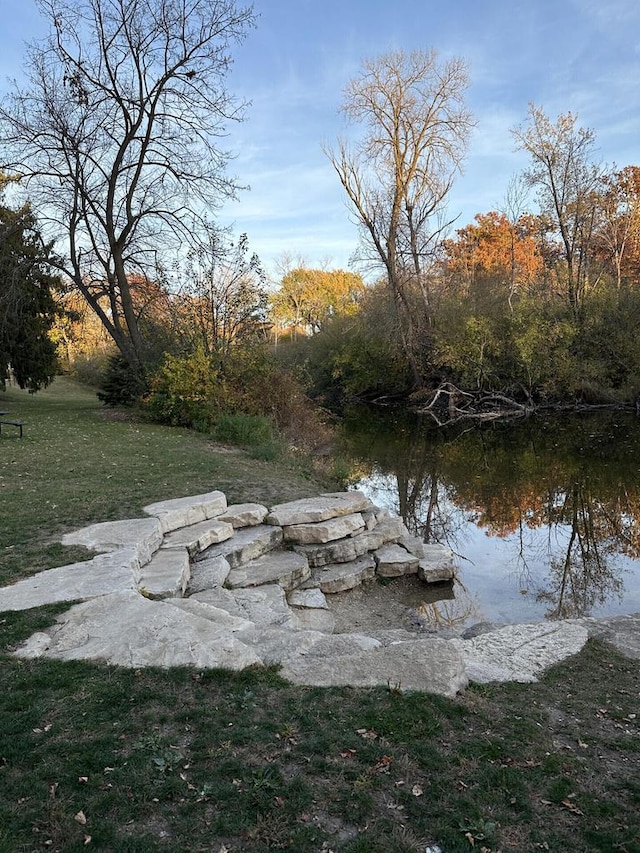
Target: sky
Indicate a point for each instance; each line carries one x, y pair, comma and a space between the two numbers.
581, 56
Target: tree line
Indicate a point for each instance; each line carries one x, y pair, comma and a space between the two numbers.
115, 138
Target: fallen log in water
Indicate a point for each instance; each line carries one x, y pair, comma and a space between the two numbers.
449, 404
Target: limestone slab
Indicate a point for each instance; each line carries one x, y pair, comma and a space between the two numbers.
144, 535
413, 544
244, 515
324, 531
321, 508
246, 544
391, 528
126, 629
431, 665
264, 605
392, 561
198, 537
166, 575
207, 574
342, 550
103, 574
305, 619
222, 619
286, 568
435, 573
312, 598
182, 512
436, 564
338, 577
519, 652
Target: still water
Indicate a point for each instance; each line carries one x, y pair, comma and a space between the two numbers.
543, 514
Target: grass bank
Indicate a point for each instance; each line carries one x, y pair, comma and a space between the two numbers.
98, 758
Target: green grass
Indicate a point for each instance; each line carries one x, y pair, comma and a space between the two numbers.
98, 758
80, 463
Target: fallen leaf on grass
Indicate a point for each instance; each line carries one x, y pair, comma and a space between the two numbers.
87, 840
383, 765
348, 753
367, 734
80, 817
417, 790
572, 808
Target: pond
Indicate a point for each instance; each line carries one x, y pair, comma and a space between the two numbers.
542, 514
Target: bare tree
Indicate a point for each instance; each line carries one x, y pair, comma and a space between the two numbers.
567, 182
227, 294
116, 135
399, 174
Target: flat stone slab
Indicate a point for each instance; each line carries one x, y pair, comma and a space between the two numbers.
623, 632
432, 665
413, 544
182, 512
144, 535
208, 574
246, 544
311, 598
126, 629
436, 564
166, 575
393, 561
324, 531
435, 573
286, 568
198, 537
519, 652
222, 620
264, 605
321, 508
342, 550
313, 620
339, 577
244, 515
104, 574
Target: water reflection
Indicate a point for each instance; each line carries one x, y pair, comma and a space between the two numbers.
543, 515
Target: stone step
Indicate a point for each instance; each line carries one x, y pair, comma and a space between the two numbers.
207, 574
437, 564
312, 598
198, 537
244, 515
286, 568
246, 544
393, 561
307, 619
143, 535
321, 508
263, 605
319, 532
387, 530
166, 575
338, 577
182, 512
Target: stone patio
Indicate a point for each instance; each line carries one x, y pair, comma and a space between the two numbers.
203, 584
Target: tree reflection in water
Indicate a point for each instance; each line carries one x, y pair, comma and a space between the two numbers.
562, 494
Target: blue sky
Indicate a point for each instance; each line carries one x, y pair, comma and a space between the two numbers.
578, 55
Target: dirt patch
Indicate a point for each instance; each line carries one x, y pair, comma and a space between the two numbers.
404, 602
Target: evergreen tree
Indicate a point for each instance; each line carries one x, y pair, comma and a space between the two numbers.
27, 304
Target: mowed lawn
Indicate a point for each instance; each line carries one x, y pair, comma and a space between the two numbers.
94, 757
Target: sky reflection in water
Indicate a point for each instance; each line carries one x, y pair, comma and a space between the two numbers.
544, 515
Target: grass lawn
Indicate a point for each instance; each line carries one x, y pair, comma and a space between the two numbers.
98, 758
